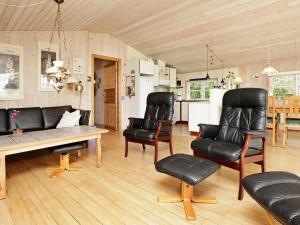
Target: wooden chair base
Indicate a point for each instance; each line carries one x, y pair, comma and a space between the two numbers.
187, 197
64, 165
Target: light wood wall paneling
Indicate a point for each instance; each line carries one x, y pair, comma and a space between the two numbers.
175, 31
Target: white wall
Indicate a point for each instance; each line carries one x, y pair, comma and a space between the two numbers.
212, 73
133, 54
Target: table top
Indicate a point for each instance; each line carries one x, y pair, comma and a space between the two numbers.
46, 137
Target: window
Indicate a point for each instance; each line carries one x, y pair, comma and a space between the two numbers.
200, 89
285, 85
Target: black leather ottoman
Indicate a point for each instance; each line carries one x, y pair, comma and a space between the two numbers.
190, 170
278, 193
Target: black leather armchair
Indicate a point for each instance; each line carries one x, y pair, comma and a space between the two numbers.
240, 137
155, 126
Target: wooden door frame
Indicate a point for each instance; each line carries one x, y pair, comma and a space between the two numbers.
118, 93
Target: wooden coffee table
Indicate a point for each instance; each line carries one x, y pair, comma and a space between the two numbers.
35, 140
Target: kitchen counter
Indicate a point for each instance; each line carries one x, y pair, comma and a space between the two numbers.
192, 100
207, 112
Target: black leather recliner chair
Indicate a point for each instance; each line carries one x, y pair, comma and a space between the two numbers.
155, 126
240, 137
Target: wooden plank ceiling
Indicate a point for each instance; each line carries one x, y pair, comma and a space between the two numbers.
176, 31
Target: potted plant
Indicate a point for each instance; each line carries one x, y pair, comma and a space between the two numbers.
17, 131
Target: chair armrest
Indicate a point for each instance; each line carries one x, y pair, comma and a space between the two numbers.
165, 122
208, 131
255, 134
164, 126
251, 134
135, 122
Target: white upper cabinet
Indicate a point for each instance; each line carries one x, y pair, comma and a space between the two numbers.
156, 75
172, 75
164, 76
146, 68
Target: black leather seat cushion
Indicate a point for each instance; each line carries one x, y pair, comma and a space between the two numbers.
3, 121
220, 149
52, 115
142, 134
63, 149
28, 119
278, 193
188, 168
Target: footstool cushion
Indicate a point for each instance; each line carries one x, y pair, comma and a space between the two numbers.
278, 193
188, 168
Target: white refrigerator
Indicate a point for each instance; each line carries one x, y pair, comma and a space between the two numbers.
144, 84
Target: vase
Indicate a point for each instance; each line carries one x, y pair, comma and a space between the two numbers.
17, 132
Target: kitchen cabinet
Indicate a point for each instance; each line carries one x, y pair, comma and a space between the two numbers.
181, 109
199, 112
185, 111
208, 112
146, 67
164, 77
172, 75
156, 75
176, 116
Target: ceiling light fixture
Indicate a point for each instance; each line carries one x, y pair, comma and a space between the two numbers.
269, 69
58, 73
207, 51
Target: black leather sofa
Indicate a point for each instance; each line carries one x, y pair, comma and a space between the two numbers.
36, 118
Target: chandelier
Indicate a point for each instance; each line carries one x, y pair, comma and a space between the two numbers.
58, 73
269, 69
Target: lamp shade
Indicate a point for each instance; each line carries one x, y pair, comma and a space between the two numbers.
238, 80
71, 80
78, 87
269, 69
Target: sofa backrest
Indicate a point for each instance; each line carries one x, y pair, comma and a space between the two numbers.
27, 118
52, 115
35, 118
85, 116
3, 121
243, 109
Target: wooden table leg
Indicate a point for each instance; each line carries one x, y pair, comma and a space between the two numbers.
98, 150
2, 178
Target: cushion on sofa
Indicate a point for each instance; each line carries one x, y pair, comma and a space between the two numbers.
3, 121
27, 118
69, 119
52, 115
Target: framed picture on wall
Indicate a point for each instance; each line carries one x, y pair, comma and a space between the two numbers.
130, 84
46, 56
78, 66
11, 72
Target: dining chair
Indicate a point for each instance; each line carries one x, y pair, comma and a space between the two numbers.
273, 119
291, 116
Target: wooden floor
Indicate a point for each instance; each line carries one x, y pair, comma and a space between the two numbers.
125, 190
